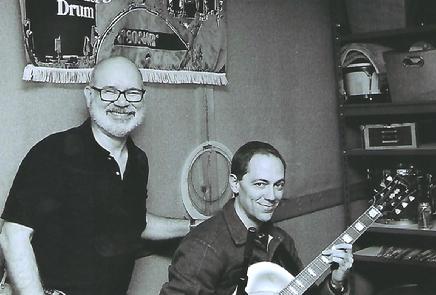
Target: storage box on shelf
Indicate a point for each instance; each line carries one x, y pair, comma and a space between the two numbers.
411, 75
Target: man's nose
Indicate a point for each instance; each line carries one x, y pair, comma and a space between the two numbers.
270, 193
121, 101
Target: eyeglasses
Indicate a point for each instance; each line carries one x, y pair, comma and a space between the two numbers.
111, 94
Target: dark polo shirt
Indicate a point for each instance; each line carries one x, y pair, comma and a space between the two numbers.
87, 221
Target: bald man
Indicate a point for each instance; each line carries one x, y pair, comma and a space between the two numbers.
76, 211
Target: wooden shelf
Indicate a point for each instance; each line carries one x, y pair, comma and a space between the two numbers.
376, 259
378, 109
403, 229
414, 32
424, 150
370, 254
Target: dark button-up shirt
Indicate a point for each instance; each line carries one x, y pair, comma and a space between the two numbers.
87, 221
210, 259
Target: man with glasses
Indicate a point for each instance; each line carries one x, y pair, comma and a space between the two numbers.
77, 207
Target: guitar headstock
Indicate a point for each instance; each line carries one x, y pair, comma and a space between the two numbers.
395, 193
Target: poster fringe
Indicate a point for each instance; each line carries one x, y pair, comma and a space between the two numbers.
183, 77
57, 75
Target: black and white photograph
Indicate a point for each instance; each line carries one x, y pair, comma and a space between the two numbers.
228, 147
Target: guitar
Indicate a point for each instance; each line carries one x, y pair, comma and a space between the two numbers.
269, 278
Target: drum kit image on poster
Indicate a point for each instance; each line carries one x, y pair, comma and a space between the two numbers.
189, 8
49, 40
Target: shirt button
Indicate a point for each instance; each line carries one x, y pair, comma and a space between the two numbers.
117, 173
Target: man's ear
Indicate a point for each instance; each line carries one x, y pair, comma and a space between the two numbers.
234, 183
87, 91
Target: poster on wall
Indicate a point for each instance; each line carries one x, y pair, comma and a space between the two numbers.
171, 41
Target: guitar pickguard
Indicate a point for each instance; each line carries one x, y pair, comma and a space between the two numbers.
267, 278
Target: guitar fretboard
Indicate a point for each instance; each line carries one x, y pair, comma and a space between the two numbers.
314, 270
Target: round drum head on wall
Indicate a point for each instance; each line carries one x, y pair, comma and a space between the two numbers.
205, 185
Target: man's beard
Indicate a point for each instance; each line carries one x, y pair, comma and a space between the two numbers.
117, 128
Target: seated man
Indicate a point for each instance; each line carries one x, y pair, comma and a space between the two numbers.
210, 259
76, 211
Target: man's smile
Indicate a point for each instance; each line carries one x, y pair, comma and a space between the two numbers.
270, 207
122, 114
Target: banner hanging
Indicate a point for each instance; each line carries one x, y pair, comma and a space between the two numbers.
171, 41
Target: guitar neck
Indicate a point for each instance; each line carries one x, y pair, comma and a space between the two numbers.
314, 270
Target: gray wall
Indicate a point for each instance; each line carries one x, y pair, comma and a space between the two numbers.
281, 90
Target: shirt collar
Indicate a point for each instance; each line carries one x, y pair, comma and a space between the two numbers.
86, 132
237, 229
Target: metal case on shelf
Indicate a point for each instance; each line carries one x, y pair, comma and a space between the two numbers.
389, 136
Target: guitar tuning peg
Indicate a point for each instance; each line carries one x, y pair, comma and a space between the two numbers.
389, 178
397, 211
404, 204
411, 198
396, 191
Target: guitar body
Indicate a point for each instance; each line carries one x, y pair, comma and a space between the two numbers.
267, 278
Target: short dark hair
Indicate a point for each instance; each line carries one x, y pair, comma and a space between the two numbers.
244, 154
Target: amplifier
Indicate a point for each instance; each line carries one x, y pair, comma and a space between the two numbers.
389, 136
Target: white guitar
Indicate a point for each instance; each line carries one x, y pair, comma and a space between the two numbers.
269, 278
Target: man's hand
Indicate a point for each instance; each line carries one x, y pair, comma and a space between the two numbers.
341, 254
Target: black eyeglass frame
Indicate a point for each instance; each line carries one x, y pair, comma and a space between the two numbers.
143, 91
